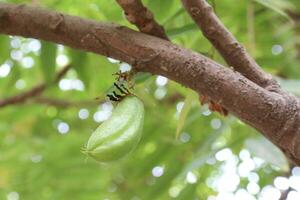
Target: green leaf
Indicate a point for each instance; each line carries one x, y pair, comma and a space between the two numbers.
174, 16
141, 77
4, 46
48, 58
177, 31
292, 86
263, 148
79, 63
184, 111
189, 192
161, 9
275, 5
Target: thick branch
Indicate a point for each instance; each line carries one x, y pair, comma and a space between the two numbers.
35, 91
276, 115
137, 14
227, 45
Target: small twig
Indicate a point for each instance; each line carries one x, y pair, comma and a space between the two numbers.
227, 45
137, 14
64, 103
35, 91
142, 17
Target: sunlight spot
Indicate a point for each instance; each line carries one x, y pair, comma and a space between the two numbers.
269, 192
27, 62
13, 196
113, 60
25, 48
293, 195
258, 162
253, 177
244, 195
282, 183
253, 188
244, 154
108, 106
223, 154
36, 158
62, 60
174, 191
160, 93
228, 182
60, 48
277, 49
63, 128
16, 55
161, 81
179, 106
83, 113
158, 171
4, 70
206, 111
225, 196
211, 198
246, 167
294, 182
15, 42
125, 67
102, 115
71, 84
191, 178
185, 137
296, 171
20, 84
216, 123
34, 45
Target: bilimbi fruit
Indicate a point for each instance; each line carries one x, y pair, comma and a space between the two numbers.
120, 134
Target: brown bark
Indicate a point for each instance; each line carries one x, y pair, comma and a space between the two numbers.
141, 16
276, 115
33, 92
137, 14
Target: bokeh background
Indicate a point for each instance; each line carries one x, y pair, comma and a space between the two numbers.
213, 157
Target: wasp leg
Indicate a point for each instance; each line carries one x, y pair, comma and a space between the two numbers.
112, 97
127, 91
117, 95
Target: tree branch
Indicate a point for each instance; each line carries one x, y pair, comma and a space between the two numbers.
137, 14
35, 91
227, 45
276, 115
64, 103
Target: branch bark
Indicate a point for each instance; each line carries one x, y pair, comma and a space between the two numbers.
227, 45
276, 115
137, 14
35, 91
141, 16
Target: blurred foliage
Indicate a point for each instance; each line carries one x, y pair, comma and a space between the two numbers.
40, 143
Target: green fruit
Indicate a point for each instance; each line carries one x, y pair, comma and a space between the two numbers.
119, 135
